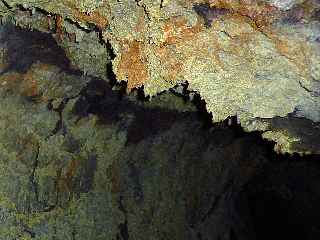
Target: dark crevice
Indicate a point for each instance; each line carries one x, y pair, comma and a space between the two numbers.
27, 230
199, 103
6, 4
33, 182
41, 206
161, 4
141, 4
60, 126
306, 89
42, 11
72, 22
123, 227
74, 233
313, 93
110, 74
98, 98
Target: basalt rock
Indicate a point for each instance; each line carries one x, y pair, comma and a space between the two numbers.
176, 150
79, 160
256, 60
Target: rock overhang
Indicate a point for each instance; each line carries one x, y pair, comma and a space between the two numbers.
258, 60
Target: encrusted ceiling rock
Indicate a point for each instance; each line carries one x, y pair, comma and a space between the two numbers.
284, 4
254, 59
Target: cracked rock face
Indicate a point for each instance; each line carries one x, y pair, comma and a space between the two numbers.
78, 161
81, 160
256, 60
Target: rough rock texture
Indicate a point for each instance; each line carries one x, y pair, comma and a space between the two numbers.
79, 160
252, 59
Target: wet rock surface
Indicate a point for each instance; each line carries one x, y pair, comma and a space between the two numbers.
79, 160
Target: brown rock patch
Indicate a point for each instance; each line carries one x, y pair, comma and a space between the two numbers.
132, 65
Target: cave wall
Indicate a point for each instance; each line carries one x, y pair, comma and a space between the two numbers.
256, 60
79, 159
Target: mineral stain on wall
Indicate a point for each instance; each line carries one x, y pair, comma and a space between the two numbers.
79, 159
263, 54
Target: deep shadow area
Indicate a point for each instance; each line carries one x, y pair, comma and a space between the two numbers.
283, 200
306, 130
25, 47
227, 172
280, 202
98, 98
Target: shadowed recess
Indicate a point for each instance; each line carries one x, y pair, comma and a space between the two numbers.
283, 200
209, 14
24, 48
110, 106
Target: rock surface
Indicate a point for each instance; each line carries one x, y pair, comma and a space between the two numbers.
252, 59
79, 160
